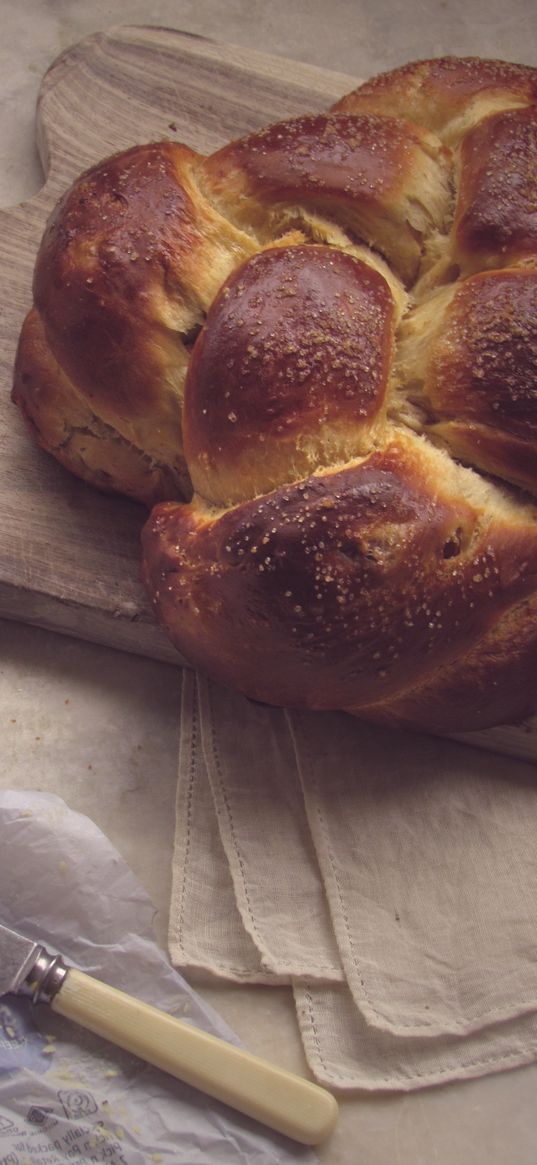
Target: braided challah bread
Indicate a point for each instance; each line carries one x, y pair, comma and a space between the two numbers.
316, 351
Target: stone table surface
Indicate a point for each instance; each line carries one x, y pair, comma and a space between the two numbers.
100, 728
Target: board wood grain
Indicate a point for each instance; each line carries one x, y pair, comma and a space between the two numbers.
69, 557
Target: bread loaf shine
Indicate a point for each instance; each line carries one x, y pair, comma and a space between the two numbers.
314, 353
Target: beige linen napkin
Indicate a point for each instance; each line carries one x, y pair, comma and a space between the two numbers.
390, 878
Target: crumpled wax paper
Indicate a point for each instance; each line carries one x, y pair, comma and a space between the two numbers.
66, 1095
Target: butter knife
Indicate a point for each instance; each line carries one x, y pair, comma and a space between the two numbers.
277, 1098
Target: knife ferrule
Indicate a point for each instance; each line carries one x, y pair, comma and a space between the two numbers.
45, 977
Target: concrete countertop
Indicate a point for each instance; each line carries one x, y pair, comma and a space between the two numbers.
101, 728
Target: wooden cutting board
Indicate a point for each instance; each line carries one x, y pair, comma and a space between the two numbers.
69, 557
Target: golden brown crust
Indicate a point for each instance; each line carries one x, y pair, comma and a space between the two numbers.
345, 589
478, 378
235, 322
105, 256
494, 683
290, 372
129, 263
446, 95
63, 423
381, 178
496, 217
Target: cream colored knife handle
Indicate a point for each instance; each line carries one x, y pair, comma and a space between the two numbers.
278, 1098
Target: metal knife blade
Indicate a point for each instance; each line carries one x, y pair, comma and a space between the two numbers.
17, 957
28, 968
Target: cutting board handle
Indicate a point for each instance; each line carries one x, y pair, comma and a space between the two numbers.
277, 1098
